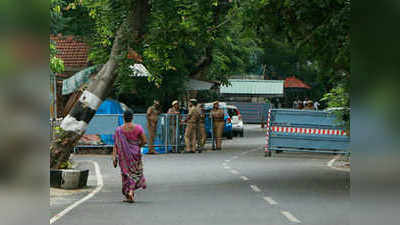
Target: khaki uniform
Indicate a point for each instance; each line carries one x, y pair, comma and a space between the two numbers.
309, 105
191, 129
218, 126
172, 123
202, 135
152, 118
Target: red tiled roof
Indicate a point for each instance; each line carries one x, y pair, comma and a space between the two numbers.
293, 82
74, 53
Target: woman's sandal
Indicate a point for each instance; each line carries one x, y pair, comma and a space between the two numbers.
129, 198
128, 201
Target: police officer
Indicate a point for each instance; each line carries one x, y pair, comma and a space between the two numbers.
173, 117
217, 115
152, 117
202, 136
191, 127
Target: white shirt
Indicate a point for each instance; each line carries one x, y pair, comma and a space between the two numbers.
316, 104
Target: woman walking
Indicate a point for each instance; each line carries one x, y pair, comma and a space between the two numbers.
126, 152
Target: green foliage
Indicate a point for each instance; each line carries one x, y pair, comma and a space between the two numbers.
212, 39
66, 165
339, 99
57, 23
319, 29
56, 65
313, 34
180, 33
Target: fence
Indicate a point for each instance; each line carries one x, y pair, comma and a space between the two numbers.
305, 131
169, 134
251, 112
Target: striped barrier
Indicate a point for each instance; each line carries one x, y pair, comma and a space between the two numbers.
297, 130
304, 131
267, 151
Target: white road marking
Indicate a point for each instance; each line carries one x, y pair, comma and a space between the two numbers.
255, 188
290, 217
234, 171
224, 164
227, 160
270, 200
332, 161
235, 157
100, 185
244, 178
226, 167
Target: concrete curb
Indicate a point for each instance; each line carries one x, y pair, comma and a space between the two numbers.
100, 184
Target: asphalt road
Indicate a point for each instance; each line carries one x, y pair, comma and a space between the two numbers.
235, 186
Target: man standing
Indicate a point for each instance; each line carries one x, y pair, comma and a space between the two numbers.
152, 117
295, 104
173, 116
316, 105
217, 115
201, 128
191, 127
309, 105
300, 104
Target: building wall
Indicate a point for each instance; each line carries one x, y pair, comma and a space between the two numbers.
247, 99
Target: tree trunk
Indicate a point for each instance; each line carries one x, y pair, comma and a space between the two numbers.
74, 125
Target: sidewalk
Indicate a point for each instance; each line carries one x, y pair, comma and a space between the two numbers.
62, 198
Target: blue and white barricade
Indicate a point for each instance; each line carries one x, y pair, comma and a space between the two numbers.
169, 134
305, 131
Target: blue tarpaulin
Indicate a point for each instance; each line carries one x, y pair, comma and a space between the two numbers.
110, 106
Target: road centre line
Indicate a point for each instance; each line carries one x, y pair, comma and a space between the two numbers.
234, 171
332, 161
226, 167
244, 178
100, 185
270, 200
290, 217
255, 188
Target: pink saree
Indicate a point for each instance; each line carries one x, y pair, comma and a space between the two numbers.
130, 159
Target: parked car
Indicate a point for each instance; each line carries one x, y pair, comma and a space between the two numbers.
228, 132
237, 122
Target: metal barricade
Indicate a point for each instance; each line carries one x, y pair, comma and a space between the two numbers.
305, 131
103, 125
169, 136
